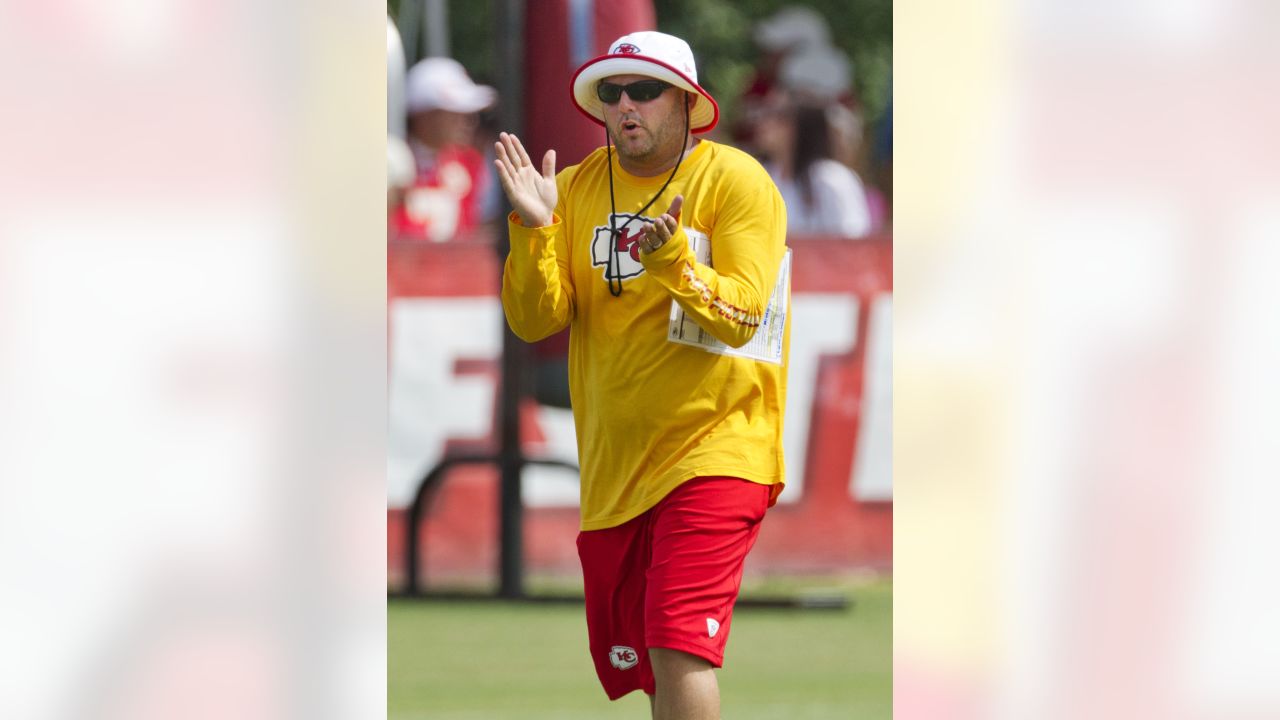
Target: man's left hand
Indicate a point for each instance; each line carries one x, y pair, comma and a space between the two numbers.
656, 234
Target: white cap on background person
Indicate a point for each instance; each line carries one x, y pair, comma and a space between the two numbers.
651, 54
441, 83
793, 28
824, 73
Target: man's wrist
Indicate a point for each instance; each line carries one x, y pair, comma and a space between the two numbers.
665, 255
535, 223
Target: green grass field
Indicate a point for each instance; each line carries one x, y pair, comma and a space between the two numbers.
494, 661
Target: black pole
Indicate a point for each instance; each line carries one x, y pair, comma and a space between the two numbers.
418, 509
509, 36
510, 462
422, 499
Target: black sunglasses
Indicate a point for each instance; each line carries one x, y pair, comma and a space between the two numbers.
638, 91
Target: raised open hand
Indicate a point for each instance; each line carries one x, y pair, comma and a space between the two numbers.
656, 234
532, 194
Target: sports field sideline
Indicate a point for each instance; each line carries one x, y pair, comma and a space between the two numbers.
498, 660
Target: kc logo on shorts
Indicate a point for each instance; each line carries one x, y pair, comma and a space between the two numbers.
623, 657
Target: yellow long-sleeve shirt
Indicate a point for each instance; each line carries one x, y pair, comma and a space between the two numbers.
651, 414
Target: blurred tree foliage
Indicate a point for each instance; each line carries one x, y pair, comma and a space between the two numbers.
720, 32
470, 34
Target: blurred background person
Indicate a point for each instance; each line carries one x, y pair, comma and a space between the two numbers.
793, 29
823, 195
822, 76
800, 65
400, 165
452, 176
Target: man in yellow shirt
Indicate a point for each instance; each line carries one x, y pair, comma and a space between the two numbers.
680, 445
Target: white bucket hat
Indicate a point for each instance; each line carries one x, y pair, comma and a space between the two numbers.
441, 83
652, 54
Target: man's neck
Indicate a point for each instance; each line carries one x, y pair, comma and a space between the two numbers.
640, 170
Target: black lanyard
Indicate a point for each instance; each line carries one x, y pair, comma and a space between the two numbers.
613, 266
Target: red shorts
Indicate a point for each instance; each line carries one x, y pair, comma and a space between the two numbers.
668, 578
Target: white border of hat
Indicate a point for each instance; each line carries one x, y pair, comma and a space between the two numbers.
582, 88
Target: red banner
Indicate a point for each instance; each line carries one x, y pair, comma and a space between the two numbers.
445, 316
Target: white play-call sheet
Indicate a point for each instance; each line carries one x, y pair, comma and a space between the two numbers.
766, 345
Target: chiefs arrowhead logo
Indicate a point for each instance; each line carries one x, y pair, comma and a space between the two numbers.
626, 49
623, 657
626, 242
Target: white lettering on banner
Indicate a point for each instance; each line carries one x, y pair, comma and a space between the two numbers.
428, 403
822, 324
544, 486
430, 335
872, 477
